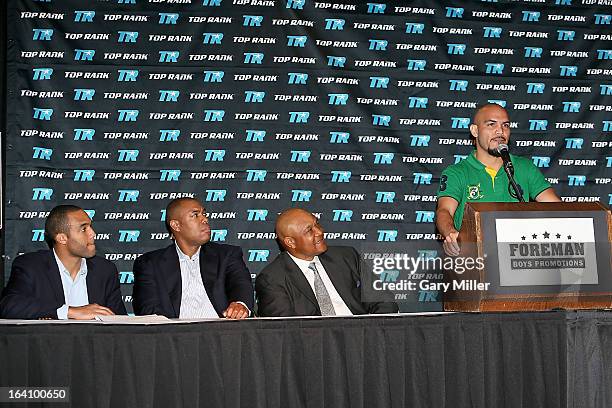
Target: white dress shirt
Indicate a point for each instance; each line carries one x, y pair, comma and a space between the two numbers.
75, 291
195, 302
339, 306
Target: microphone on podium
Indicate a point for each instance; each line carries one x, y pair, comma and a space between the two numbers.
504, 153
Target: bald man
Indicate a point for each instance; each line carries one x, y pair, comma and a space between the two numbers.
309, 278
480, 178
193, 277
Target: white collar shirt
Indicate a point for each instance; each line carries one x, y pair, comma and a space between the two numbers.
339, 306
75, 291
195, 303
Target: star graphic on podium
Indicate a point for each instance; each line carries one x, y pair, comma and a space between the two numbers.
569, 237
546, 235
558, 235
523, 238
534, 236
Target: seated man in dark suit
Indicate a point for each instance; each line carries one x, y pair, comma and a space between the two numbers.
68, 281
310, 278
192, 278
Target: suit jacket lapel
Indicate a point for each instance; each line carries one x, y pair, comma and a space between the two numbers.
170, 268
93, 294
53, 274
209, 266
338, 276
298, 279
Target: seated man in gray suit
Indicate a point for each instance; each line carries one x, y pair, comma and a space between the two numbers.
309, 278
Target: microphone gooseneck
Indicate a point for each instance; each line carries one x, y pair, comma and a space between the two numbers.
504, 153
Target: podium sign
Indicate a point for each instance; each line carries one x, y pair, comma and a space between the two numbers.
538, 256
546, 251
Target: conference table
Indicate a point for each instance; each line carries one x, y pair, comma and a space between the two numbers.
541, 359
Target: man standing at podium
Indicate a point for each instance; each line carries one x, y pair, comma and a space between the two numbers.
481, 178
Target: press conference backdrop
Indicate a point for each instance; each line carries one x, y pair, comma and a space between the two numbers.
350, 110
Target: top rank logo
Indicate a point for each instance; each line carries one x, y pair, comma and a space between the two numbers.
296, 4
168, 18
42, 74
531, 16
492, 32
334, 24
42, 34
454, 12
127, 36
84, 55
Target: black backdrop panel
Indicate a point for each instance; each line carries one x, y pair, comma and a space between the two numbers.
351, 110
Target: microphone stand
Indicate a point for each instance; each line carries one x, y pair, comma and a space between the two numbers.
509, 169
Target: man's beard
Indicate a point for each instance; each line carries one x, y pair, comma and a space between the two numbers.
493, 152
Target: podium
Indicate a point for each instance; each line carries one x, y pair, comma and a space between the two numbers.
536, 256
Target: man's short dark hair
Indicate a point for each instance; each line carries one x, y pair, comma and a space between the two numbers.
171, 209
57, 222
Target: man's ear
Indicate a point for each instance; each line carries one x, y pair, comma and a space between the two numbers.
289, 242
175, 225
61, 238
474, 130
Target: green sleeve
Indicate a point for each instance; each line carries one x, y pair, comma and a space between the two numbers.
451, 184
537, 182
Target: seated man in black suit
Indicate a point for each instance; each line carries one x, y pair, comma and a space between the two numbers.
68, 281
310, 278
192, 278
